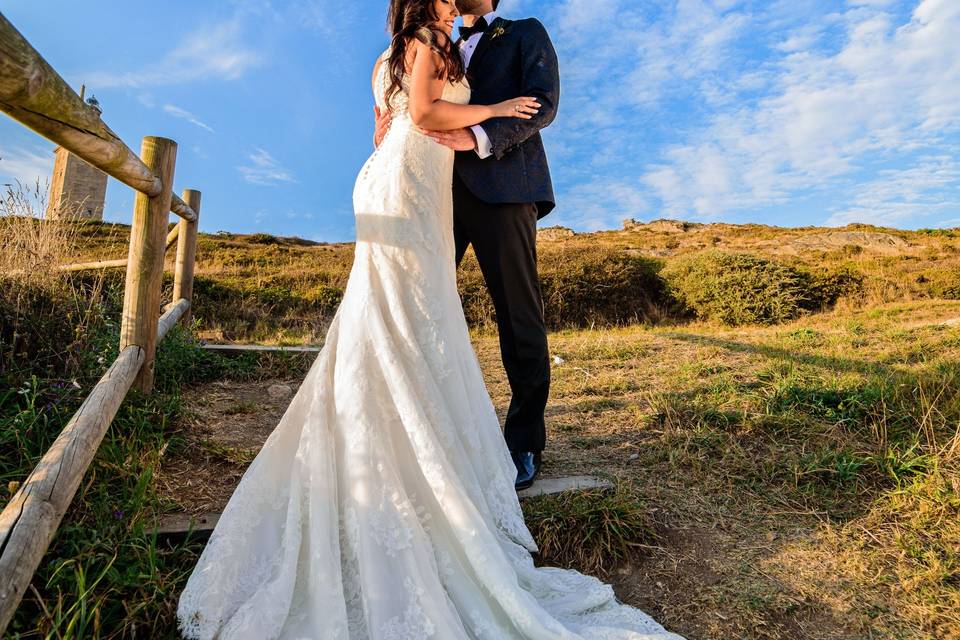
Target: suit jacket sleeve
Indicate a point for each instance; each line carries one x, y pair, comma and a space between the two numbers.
541, 80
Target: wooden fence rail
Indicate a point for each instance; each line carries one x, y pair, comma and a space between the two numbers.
34, 94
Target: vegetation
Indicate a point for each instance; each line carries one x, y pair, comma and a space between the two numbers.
105, 576
797, 477
805, 477
593, 531
262, 288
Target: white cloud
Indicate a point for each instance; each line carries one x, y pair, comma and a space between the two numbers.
896, 195
593, 204
26, 166
264, 170
703, 108
221, 53
178, 112
889, 91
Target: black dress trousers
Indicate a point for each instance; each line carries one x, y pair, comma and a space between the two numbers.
504, 239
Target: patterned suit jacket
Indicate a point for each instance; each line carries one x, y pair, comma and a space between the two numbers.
514, 58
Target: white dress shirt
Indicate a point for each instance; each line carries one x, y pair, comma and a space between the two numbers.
467, 47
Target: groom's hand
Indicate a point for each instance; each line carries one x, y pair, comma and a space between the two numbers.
384, 118
458, 139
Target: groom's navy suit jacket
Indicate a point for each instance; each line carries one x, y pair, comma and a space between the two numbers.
513, 59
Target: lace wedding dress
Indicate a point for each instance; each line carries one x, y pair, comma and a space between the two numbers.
382, 507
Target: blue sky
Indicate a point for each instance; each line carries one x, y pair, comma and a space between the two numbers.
793, 113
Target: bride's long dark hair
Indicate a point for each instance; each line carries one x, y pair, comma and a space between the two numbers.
409, 19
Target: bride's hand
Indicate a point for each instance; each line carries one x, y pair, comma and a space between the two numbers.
524, 108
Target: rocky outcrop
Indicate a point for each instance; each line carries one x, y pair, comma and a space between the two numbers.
549, 234
866, 240
663, 225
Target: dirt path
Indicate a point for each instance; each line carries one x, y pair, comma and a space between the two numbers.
744, 549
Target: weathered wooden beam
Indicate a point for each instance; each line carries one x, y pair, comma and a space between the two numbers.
92, 266
183, 209
32, 93
30, 520
258, 348
178, 527
119, 262
172, 314
141, 299
187, 253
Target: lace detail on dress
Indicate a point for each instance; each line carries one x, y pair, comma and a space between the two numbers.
382, 506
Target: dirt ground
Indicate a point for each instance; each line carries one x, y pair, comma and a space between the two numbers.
732, 562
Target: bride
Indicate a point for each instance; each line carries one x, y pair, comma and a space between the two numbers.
383, 505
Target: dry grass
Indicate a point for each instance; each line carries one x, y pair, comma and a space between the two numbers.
593, 531
31, 246
802, 477
259, 288
789, 482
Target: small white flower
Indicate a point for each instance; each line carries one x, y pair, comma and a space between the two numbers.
558, 360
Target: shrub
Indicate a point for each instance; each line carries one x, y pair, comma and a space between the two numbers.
736, 288
581, 287
943, 283
825, 286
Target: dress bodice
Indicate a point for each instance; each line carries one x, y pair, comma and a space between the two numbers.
456, 92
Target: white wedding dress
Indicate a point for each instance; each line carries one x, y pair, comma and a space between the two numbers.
382, 507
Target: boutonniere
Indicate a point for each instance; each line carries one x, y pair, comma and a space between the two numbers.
497, 31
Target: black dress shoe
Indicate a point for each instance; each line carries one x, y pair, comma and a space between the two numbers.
528, 466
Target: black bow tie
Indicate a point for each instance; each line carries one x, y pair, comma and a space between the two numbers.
478, 27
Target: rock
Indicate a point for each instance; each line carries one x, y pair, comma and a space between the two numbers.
866, 240
558, 360
550, 234
279, 391
663, 225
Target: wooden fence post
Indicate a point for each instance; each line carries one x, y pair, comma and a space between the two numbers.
141, 301
187, 255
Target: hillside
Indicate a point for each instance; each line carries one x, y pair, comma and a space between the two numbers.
780, 420
269, 289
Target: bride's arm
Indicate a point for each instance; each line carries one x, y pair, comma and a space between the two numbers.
429, 111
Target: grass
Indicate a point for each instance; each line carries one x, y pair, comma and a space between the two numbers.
261, 288
593, 531
104, 575
793, 480
805, 477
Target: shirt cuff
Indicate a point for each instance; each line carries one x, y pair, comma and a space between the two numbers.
484, 147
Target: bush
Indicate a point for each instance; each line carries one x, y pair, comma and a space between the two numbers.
943, 283
825, 287
581, 287
736, 288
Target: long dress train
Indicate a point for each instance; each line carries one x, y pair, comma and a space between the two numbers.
382, 506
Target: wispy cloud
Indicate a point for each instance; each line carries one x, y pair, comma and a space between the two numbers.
890, 89
27, 166
264, 170
183, 114
918, 192
706, 108
221, 52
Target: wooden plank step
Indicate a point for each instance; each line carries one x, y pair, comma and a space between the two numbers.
258, 348
177, 527
549, 486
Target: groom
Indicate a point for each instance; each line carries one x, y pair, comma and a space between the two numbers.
501, 187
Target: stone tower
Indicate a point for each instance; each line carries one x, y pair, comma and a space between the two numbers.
77, 189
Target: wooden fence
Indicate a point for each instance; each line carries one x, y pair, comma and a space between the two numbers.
35, 95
